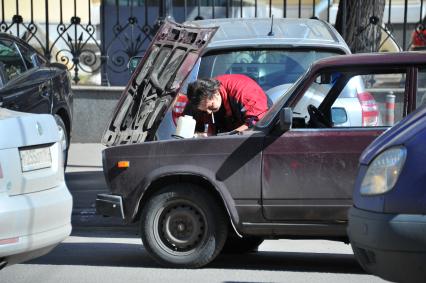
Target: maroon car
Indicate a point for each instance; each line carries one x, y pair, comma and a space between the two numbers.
289, 177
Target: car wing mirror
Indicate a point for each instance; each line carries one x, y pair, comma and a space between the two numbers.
133, 63
286, 119
339, 115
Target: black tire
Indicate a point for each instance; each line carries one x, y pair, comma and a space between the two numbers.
237, 245
183, 226
64, 138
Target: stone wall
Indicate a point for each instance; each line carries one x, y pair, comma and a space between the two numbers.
93, 107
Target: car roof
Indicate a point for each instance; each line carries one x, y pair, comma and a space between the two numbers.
256, 31
371, 60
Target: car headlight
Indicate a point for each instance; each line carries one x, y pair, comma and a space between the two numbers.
384, 171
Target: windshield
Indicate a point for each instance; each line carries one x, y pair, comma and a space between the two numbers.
270, 68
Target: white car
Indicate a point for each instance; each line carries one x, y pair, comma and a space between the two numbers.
35, 204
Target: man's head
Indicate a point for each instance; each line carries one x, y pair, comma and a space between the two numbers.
203, 94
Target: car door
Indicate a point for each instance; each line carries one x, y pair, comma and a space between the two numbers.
26, 86
309, 172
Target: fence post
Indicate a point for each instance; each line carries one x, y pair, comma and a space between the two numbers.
165, 11
104, 58
47, 47
227, 8
404, 31
344, 19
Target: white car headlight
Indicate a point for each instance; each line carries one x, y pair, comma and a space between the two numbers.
384, 171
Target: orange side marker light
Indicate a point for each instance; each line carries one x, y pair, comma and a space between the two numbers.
123, 164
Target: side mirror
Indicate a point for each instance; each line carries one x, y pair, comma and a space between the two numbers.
338, 115
286, 119
133, 63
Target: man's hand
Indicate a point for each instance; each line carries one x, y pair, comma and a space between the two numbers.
200, 135
241, 128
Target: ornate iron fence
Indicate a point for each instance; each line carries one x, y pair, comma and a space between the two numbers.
101, 48
70, 46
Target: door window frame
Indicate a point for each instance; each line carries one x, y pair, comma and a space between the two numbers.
410, 90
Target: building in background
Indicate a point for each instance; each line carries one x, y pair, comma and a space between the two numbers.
96, 38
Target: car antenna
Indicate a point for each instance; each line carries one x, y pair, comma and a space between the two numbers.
271, 33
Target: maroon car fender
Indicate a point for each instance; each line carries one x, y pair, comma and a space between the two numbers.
197, 172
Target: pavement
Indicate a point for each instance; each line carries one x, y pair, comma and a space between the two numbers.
85, 179
85, 157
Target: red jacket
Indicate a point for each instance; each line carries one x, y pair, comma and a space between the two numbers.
418, 39
243, 102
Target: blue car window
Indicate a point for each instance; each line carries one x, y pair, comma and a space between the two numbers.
11, 62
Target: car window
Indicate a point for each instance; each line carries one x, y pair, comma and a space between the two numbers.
268, 67
10, 60
378, 101
368, 100
26, 55
421, 88
314, 95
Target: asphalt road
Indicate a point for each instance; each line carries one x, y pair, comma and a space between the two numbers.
109, 256
103, 250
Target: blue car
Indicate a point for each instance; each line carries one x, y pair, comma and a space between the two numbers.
387, 223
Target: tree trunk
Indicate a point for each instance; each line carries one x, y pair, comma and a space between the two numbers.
362, 31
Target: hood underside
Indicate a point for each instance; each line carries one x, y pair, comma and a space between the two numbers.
173, 53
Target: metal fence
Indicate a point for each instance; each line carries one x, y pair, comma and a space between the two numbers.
97, 51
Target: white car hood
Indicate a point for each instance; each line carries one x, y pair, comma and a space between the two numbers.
19, 129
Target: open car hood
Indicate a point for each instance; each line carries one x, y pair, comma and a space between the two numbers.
173, 53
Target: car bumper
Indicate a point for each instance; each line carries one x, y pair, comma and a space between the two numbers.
32, 224
392, 246
109, 205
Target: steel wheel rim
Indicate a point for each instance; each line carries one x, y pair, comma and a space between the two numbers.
180, 227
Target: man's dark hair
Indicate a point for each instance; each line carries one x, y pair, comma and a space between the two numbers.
200, 90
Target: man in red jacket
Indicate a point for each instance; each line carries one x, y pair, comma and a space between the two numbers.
418, 36
226, 103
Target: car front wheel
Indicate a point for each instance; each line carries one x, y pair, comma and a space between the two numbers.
183, 226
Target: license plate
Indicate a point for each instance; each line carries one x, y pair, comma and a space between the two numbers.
35, 158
